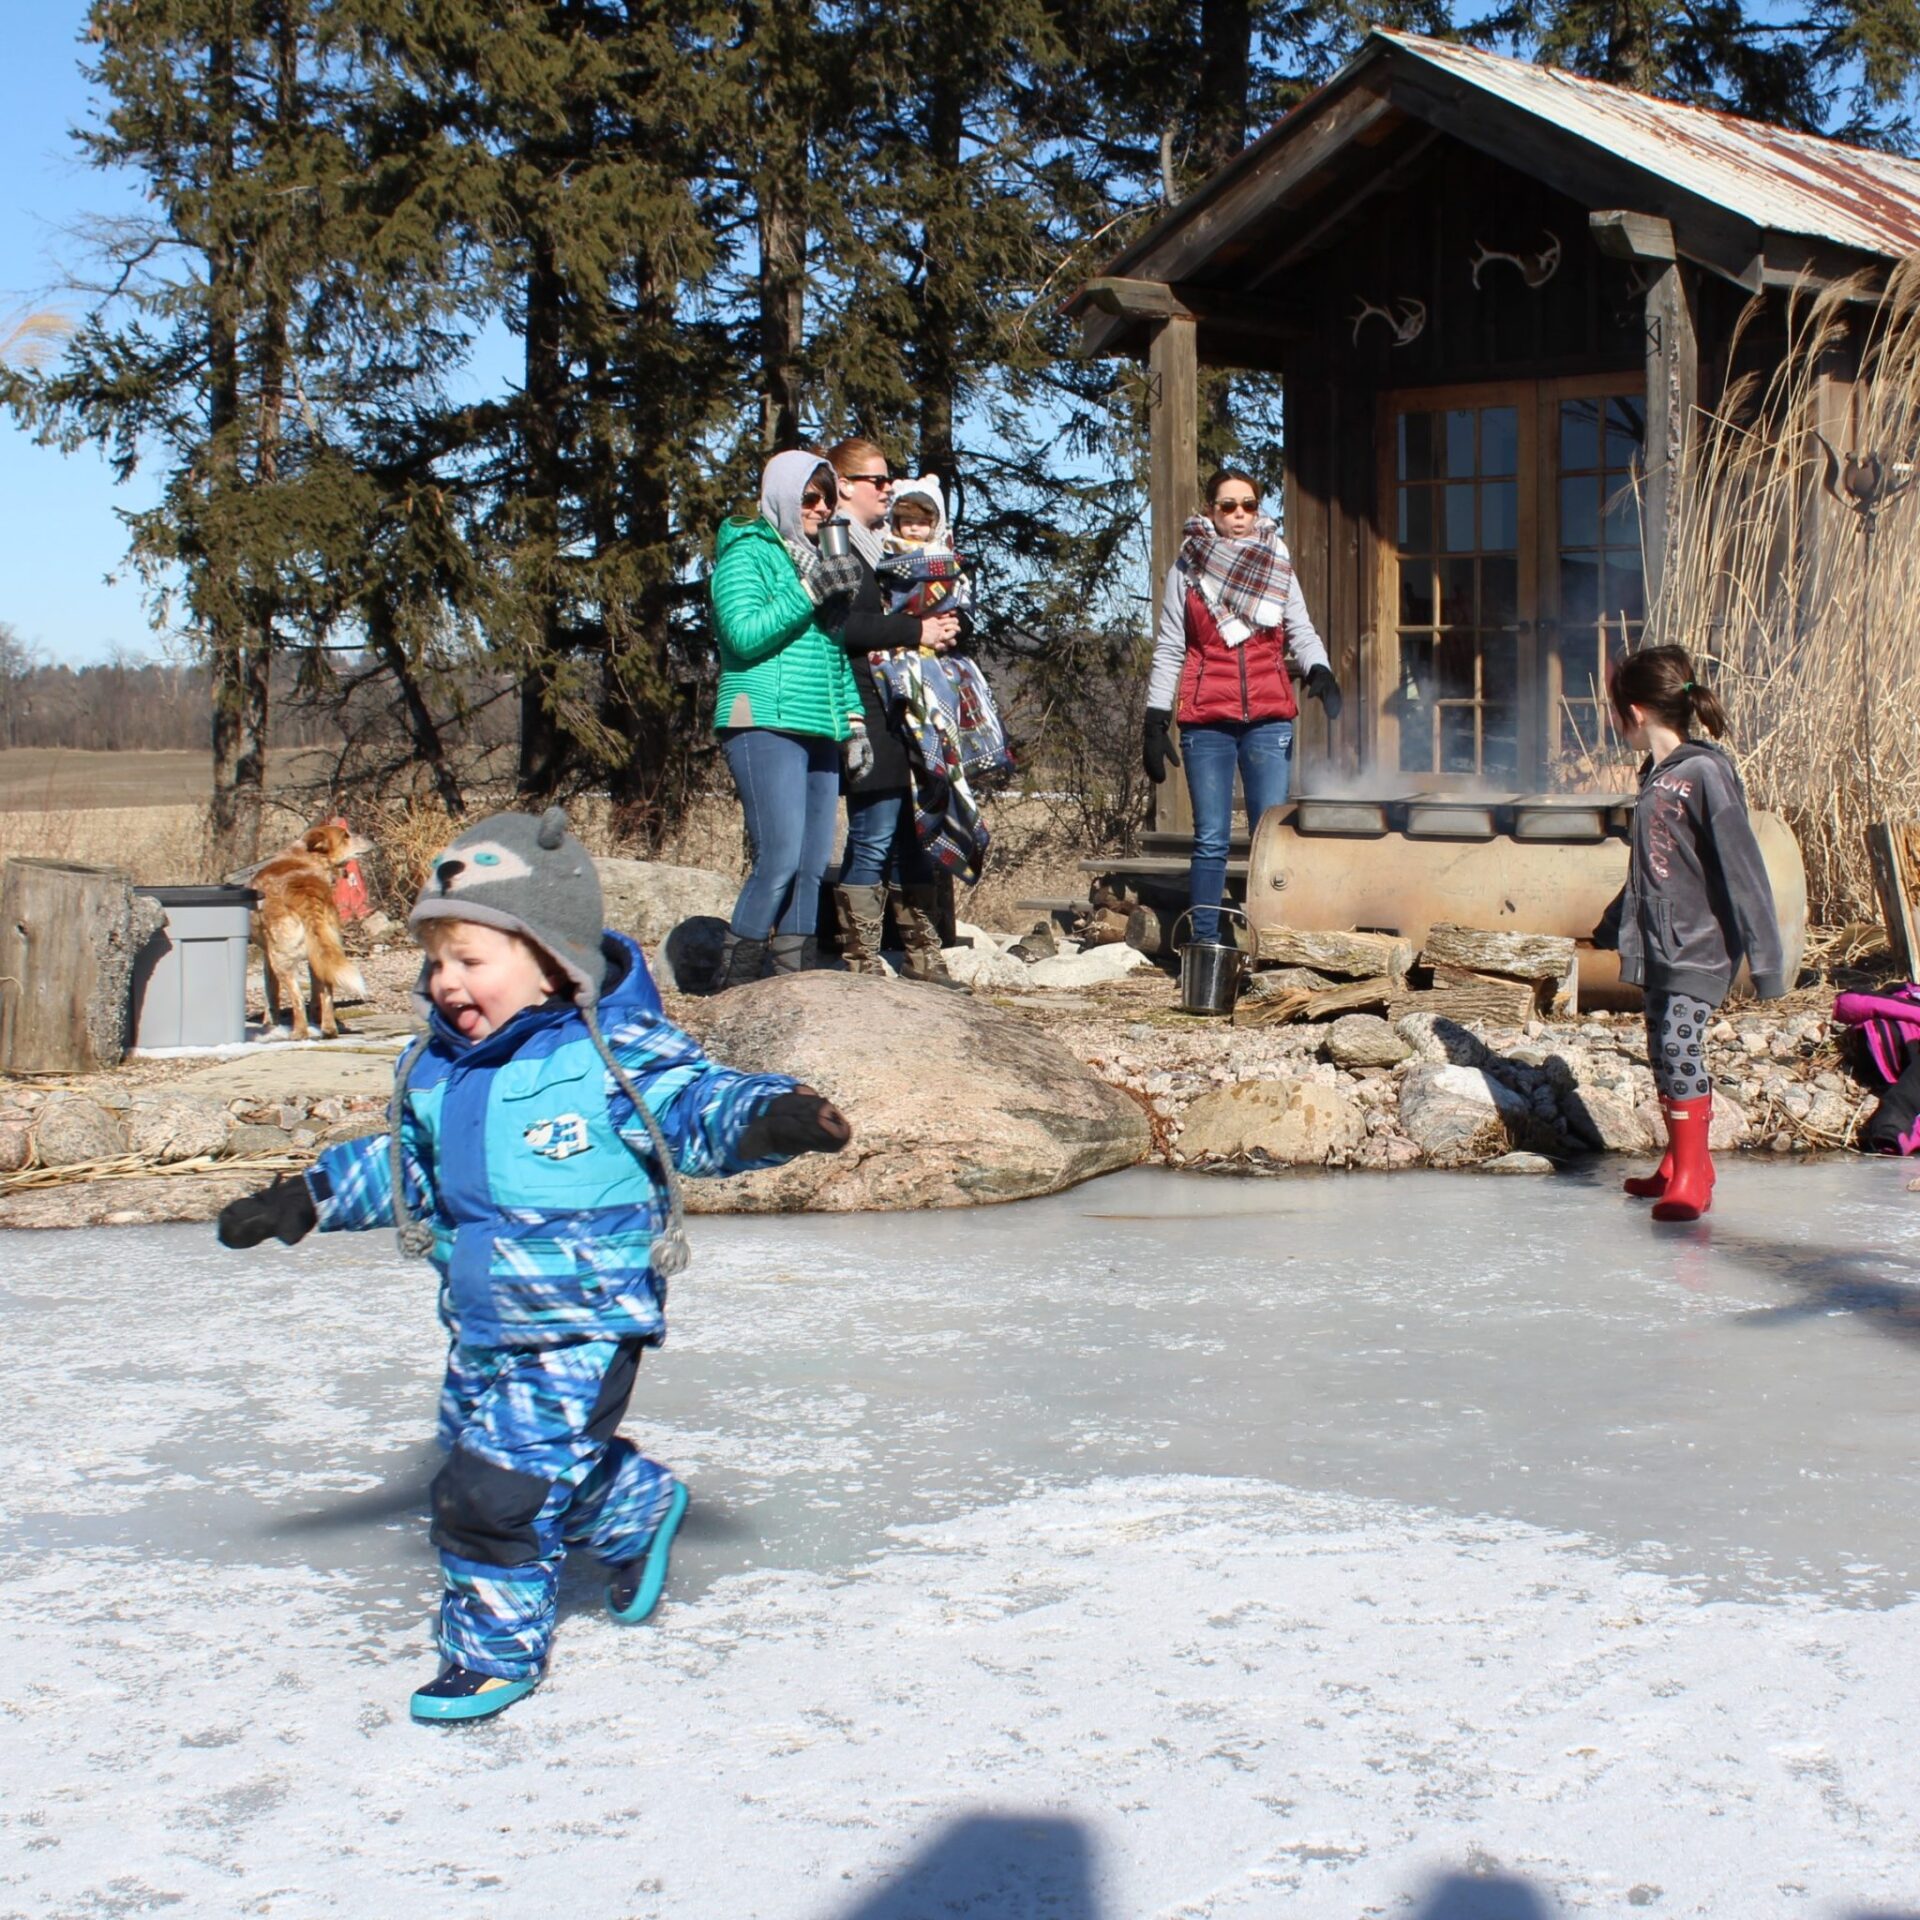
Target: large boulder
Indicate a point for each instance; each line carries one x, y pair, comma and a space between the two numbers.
646, 899
170, 1126
1291, 1122
1459, 1116
1089, 967
72, 1130
954, 1103
1602, 1118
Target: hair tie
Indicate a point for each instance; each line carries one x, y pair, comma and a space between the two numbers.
1688, 688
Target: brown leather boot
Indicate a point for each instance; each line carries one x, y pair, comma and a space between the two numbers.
913, 911
860, 913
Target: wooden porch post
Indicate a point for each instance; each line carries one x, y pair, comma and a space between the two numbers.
1673, 370
1173, 492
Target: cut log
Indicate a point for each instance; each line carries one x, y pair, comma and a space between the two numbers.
68, 936
1518, 956
1109, 891
1145, 933
1106, 927
1895, 854
1297, 1003
1499, 1003
1349, 955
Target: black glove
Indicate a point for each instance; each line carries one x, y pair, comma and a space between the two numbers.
284, 1210
796, 1122
839, 576
1157, 745
1326, 689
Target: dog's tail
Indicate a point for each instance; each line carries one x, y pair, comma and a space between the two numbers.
328, 962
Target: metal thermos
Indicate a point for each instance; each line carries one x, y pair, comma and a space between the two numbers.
836, 540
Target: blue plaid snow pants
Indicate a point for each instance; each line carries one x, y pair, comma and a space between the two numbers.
534, 1466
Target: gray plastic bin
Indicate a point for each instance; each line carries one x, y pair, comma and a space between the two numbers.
190, 979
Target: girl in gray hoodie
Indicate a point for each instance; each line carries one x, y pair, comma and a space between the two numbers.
1696, 903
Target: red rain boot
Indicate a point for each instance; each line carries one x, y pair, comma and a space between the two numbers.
1690, 1191
1650, 1186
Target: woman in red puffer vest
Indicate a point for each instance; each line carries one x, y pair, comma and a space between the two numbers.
1230, 616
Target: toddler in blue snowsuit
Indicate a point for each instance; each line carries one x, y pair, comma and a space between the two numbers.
536, 1135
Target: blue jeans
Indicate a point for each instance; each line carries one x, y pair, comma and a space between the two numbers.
789, 786
1263, 751
882, 846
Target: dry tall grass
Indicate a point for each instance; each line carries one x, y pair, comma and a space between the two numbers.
1765, 582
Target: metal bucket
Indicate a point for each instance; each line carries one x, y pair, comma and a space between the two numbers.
1210, 970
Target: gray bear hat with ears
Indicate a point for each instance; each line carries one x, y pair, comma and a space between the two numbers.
527, 876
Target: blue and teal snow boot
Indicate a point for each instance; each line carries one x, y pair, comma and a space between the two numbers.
634, 1590
457, 1694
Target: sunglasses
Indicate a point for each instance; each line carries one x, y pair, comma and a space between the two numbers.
1236, 506
813, 497
872, 479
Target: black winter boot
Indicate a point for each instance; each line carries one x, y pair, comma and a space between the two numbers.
789, 951
740, 962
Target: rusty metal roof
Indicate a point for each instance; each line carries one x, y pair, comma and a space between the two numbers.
1783, 181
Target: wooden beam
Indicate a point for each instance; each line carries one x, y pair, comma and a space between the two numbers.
1387, 180
1173, 441
1622, 235
1673, 394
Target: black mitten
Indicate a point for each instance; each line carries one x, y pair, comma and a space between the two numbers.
284, 1211
839, 576
1157, 744
1326, 689
796, 1122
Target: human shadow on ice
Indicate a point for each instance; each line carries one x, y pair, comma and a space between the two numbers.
406, 1495
1015, 1868
1871, 1285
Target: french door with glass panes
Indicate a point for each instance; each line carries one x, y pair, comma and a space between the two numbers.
1510, 579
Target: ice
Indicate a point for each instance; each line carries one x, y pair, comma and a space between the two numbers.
1419, 1544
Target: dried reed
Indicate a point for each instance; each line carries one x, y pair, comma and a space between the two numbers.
1765, 581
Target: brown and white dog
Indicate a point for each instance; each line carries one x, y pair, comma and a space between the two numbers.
298, 925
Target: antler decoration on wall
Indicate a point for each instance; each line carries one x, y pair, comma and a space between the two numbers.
1408, 324
1536, 269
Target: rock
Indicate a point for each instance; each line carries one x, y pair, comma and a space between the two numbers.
647, 899
1365, 1040
72, 1129
1022, 1117
987, 968
377, 926
1387, 1153
688, 956
1039, 942
170, 1126
1088, 968
1439, 1041
1833, 1113
355, 1127
249, 1138
1518, 1163
1729, 1126
1605, 1121
1458, 1116
1291, 1122
16, 1147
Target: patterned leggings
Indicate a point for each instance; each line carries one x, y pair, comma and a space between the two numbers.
1676, 1045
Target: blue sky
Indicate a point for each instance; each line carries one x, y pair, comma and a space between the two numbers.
60, 536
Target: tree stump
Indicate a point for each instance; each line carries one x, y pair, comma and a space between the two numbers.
68, 937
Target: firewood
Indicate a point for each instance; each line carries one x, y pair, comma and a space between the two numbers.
1105, 927
1107, 891
1895, 855
1272, 1010
1500, 1003
1145, 933
1349, 955
1517, 956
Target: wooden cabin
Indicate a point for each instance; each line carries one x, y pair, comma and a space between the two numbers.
1495, 294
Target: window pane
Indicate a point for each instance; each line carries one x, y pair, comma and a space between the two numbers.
1459, 605
1623, 512
1454, 659
1499, 666
1579, 589
1499, 592
1416, 519
1579, 435
1416, 593
1457, 743
1500, 517
1580, 512
1416, 446
1626, 592
1460, 464
1626, 432
1457, 536
1500, 742
1500, 440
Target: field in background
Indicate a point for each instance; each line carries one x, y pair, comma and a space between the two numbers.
64, 780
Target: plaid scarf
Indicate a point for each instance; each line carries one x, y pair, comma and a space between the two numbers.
1243, 582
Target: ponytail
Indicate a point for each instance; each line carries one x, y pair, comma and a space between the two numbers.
1663, 682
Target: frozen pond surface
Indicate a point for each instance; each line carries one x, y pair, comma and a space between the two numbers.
1436, 1545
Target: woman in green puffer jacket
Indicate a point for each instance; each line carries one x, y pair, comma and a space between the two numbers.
787, 696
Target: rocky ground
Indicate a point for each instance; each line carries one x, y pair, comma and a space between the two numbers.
174, 1138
